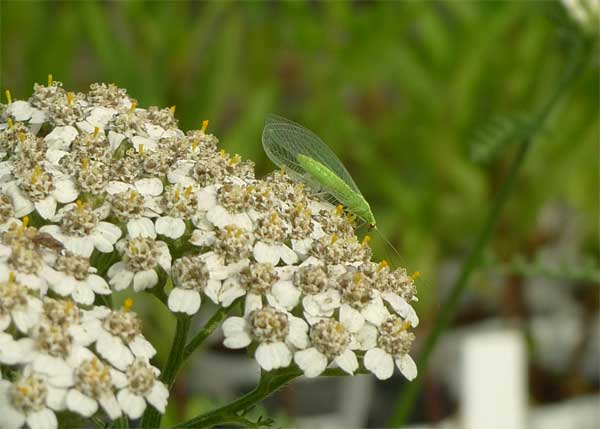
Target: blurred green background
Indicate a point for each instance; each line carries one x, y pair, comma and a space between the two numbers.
399, 90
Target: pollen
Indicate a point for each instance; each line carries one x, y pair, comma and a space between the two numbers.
236, 159
10, 123
132, 196
37, 172
133, 106
366, 240
414, 276
8, 96
127, 304
50, 79
70, 98
85, 163
21, 137
79, 204
11, 278
357, 278
382, 265
96, 131
204, 125
195, 144
69, 306
223, 153
339, 209
141, 149
334, 238
176, 196
172, 109
25, 221
188, 191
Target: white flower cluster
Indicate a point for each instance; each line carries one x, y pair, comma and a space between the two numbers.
100, 195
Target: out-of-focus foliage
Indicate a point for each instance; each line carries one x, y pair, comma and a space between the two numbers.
397, 89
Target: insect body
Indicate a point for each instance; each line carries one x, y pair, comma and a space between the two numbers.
338, 188
308, 158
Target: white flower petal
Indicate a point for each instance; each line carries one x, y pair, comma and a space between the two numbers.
230, 291
11, 351
379, 363
144, 280
149, 144
98, 284
109, 231
56, 398
141, 227
21, 204
149, 187
164, 255
351, 318
298, 332
407, 367
236, 335
43, 419
286, 294
211, 290
311, 361
142, 348
403, 308
184, 301
83, 294
347, 361
171, 227
253, 302
61, 137
110, 405
20, 110
66, 190
375, 312
46, 207
158, 396
115, 139
273, 355
302, 247
367, 337
80, 403
287, 255
114, 351
122, 279
131, 404
266, 253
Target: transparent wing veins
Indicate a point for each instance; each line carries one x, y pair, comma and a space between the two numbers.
283, 140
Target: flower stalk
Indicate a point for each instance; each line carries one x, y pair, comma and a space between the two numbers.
408, 395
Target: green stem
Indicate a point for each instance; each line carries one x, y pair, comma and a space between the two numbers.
206, 330
269, 383
151, 417
409, 394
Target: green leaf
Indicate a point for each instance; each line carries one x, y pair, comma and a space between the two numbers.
493, 137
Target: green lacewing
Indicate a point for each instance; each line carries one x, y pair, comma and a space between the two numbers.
307, 158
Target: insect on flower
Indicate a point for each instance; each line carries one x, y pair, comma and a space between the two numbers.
307, 158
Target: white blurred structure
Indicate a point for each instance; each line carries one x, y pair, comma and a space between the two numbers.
494, 387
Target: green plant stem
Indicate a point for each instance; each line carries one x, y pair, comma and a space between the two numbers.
151, 417
409, 394
206, 330
269, 383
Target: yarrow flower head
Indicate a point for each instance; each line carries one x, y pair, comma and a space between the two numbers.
98, 194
